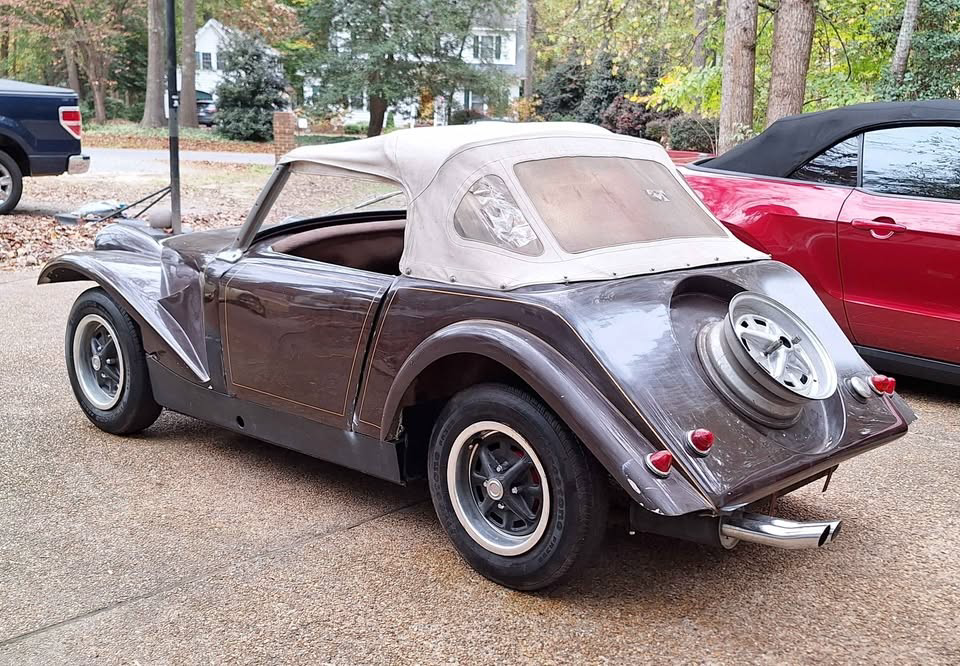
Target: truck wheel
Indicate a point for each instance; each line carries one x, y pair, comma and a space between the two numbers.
107, 365
11, 183
523, 502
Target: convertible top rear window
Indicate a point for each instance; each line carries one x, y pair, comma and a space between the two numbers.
595, 202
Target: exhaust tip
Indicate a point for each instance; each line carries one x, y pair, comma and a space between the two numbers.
831, 533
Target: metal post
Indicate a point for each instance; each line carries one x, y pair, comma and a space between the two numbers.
173, 102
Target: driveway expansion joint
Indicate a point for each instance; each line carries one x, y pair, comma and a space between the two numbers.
303, 540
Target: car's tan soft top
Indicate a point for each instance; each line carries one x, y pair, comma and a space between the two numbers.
471, 220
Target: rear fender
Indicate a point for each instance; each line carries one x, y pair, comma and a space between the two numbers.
610, 437
136, 280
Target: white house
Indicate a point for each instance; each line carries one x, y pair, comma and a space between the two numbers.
209, 70
497, 42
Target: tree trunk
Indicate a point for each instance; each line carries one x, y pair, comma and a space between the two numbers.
4, 49
700, 9
188, 66
153, 115
793, 25
378, 110
73, 75
902, 51
530, 84
99, 101
739, 70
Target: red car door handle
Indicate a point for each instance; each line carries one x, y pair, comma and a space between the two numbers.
881, 228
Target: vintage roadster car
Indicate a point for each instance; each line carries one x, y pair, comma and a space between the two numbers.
536, 310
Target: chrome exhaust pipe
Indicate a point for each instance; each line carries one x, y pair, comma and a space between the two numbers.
779, 532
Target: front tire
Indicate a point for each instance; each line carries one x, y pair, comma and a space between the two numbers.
107, 365
11, 183
523, 502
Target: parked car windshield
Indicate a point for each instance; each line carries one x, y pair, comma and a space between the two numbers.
306, 196
595, 202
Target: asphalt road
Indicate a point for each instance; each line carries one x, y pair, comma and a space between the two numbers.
128, 160
189, 544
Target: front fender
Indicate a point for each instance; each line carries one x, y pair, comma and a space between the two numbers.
135, 280
610, 437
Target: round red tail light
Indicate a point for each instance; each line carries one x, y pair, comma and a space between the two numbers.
701, 441
883, 384
660, 462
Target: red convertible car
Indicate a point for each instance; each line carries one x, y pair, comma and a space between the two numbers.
864, 201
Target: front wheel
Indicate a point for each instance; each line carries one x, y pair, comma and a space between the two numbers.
523, 502
107, 365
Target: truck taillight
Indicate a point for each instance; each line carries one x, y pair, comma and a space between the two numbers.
72, 121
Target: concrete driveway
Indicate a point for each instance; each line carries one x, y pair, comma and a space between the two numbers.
189, 544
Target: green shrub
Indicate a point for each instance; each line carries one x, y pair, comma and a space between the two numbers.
602, 88
463, 116
657, 129
356, 128
561, 90
689, 132
251, 90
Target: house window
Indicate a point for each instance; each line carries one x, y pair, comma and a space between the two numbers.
487, 47
206, 61
196, 59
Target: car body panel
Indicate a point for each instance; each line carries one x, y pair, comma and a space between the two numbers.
903, 280
793, 221
636, 344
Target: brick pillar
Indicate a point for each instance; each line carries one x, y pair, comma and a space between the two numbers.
284, 128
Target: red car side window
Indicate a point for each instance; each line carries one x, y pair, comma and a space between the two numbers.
913, 161
836, 165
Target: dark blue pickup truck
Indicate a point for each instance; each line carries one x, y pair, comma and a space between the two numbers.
40, 130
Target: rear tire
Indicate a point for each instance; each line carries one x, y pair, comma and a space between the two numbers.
11, 183
494, 449
107, 365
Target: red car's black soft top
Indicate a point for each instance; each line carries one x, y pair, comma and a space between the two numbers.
790, 142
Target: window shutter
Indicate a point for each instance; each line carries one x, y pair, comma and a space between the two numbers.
476, 46
496, 54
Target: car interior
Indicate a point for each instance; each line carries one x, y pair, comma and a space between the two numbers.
369, 246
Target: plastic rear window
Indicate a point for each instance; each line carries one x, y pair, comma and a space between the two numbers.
590, 203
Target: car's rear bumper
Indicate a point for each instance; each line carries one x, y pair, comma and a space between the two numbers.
78, 164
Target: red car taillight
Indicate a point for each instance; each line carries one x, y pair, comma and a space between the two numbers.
72, 121
883, 384
701, 441
659, 462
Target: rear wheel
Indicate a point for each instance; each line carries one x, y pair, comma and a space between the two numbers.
107, 365
522, 501
11, 183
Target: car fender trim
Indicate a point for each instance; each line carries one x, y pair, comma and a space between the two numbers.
135, 281
609, 436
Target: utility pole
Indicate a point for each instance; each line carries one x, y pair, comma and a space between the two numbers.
173, 101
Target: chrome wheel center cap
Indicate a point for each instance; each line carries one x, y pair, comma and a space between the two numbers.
95, 362
494, 489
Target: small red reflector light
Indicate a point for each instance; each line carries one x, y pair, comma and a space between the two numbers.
701, 440
660, 462
883, 384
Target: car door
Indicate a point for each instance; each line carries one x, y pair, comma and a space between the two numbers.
295, 332
899, 243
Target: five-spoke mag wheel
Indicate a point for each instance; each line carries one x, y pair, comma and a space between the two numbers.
520, 498
107, 365
499, 488
98, 361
